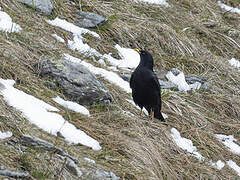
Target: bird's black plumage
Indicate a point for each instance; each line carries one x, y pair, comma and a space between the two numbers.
146, 90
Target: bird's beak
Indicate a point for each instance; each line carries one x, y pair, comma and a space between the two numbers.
136, 49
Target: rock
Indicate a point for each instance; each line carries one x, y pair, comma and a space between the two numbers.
106, 175
13, 174
126, 77
175, 71
50, 85
44, 6
30, 141
191, 79
77, 82
89, 20
167, 85
73, 168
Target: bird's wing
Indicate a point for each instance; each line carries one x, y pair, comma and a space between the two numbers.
156, 82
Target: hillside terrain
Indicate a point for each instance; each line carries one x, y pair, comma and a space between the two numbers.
198, 37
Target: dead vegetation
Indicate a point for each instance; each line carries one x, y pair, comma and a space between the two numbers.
193, 36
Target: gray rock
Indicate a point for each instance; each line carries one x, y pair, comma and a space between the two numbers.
167, 84
73, 168
79, 84
191, 79
30, 141
14, 174
89, 20
106, 175
175, 71
126, 77
50, 85
44, 6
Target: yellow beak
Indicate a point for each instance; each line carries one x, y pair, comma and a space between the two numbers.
136, 49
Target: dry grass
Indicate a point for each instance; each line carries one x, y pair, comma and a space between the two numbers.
190, 35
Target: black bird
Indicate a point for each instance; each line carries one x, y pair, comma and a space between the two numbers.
146, 90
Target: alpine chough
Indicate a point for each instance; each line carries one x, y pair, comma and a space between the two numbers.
146, 90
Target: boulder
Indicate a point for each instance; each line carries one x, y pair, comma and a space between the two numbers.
77, 82
89, 20
44, 6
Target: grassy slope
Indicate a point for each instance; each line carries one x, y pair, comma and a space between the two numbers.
133, 147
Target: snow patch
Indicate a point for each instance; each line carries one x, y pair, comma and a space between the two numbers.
37, 112
4, 135
234, 166
129, 58
159, 2
71, 27
7, 25
234, 62
58, 38
228, 8
181, 83
83, 48
89, 160
185, 144
229, 141
219, 164
72, 106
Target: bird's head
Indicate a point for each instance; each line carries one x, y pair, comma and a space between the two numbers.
146, 58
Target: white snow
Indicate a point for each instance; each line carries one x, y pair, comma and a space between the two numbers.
72, 106
71, 27
37, 112
229, 142
77, 42
4, 135
89, 160
159, 2
108, 75
219, 164
6, 23
181, 83
234, 62
165, 116
228, 8
58, 38
129, 58
234, 166
128, 113
83, 48
185, 144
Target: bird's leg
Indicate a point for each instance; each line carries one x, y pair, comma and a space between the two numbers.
152, 115
140, 114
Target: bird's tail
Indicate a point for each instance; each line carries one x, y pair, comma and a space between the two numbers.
158, 114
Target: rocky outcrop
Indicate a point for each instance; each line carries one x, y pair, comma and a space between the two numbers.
89, 20
44, 6
78, 84
34, 142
